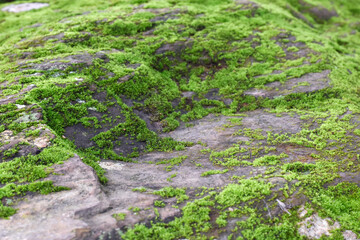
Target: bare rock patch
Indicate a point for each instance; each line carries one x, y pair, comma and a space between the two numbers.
58, 215
24, 7
309, 82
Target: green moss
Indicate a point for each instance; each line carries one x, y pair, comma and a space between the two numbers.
172, 162
140, 189
169, 192
298, 167
159, 204
119, 216
341, 203
217, 50
222, 220
212, 172
195, 219
245, 190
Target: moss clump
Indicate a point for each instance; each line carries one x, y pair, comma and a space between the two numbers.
341, 203
194, 221
143, 67
298, 167
243, 191
172, 162
169, 192
159, 204
119, 216
213, 172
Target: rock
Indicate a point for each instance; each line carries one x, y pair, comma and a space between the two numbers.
111, 165
314, 227
25, 143
283, 206
62, 64
319, 13
20, 106
310, 82
169, 15
23, 7
177, 47
349, 235
186, 71
13, 98
58, 215
42, 142
168, 213
322, 14
299, 15
302, 211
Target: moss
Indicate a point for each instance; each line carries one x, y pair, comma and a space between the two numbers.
159, 204
212, 172
195, 219
341, 203
245, 190
169, 192
213, 49
172, 162
140, 189
298, 167
119, 216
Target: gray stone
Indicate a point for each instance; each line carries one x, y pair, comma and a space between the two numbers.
58, 215
23, 7
349, 235
310, 82
314, 227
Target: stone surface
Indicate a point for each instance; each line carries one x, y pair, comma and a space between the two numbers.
58, 215
23, 7
310, 82
350, 235
315, 227
85, 211
25, 143
193, 60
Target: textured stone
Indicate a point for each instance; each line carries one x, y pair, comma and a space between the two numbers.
310, 82
58, 215
23, 7
314, 227
349, 235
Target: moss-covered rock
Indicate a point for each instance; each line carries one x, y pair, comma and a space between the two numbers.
218, 110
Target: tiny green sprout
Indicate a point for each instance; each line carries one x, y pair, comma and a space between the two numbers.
119, 216
158, 203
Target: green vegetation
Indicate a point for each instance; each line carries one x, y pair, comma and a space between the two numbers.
110, 84
245, 190
172, 162
269, 160
119, 216
140, 189
22, 175
212, 172
159, 204
169, 192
